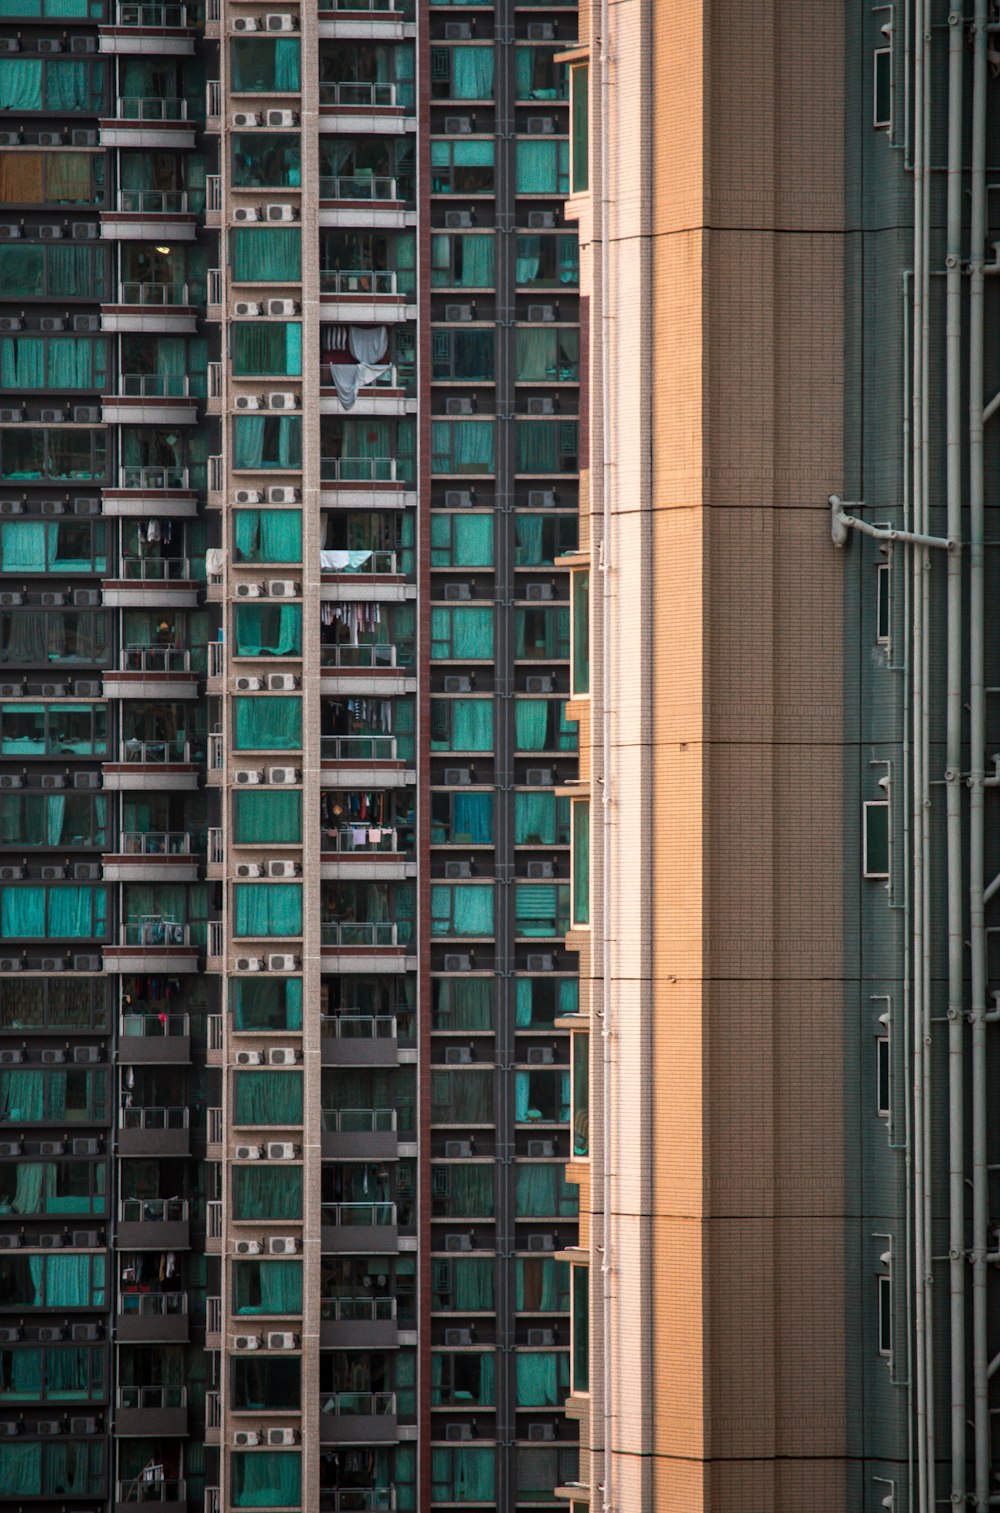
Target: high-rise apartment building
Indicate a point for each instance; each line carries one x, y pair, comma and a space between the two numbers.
288, 478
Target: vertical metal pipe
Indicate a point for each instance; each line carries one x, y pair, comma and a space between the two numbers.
977, 756
953, 763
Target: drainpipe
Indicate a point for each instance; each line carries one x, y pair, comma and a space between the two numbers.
977, 757
953, 763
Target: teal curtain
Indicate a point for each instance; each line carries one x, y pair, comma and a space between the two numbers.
268, 1003
77, 913
531, 718
463, 1003
267, 1479
461, 540
472, 73
67, 1282
472, 1286
267, 1192
522, 1016
472, 725
463, 1475
76, 270
35, 1179
22, 362
537, 446
461, 909
462, 634
268, 1286
267, 1097
471, 1195
269, 630
23, 543
67, 85
267, 723
263, 441
472, 819
265, 65
542, 1379
462, 446
20, 84
266, 909
262, 818
540, 1193
535, 819
22, 1097
268, 535
267, 347
269, 255
22, 913
21, 1469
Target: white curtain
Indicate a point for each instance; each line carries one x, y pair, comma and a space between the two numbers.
368, 346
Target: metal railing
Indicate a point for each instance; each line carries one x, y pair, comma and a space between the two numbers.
214, 374
216, 939
387, 378
345, 839
155, 753
155, 843
153, 1210
216, 852
363, 186
152, 108
152, 1397
141, 293
215, 1027
213, 191
154, 1026
152, 478
381, 654
156, 932
350, 1026
359, 932
358, 1310
213, 97
385, 7
215, 286
213, 1216
153, 1304
367, 96
349, 1215
358, 748
155, 569
358, 1500
216, 659
155, 659
154, 386
153, 1490
159, 17
214, 1126
153, 201
380, 562
155, 1117
216, 751
213, 1410
367, 1403
213, 1314
357, 280
358, 1121
358, 469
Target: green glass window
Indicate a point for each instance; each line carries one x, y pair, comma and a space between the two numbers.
69, 456
462, 73
267, 535
462, 819
547, 354
267, 1192
462, 910
54, 1281
581, 1094
267, 1383
541, 1000
263, 818
266, 1479
542, 1378
537, 74
267, 1098
264, 65
266, 160
542, 1286
545, 446
463, 1379
462, 1003
270, 255
463, 1285
53, 362
542, 634
462, 167
876, 839
53, 1187
53, 729
51, 637
34, 546
581, 1328
268, 909
464, 1192
66, 912
40, 1469
541, 819
54, 270
466, 356
539, 539
579, 111
461, 724
54, 84
267, 1287
462, 634
267, 1003
581, 632
464, 540
268, 630
462, 262
541, 908
541, 1192
53, 819
459, 1476
51, 178
267, 347
581, 862
462, 1097
267, 441
546, 262
267, 723
462, 446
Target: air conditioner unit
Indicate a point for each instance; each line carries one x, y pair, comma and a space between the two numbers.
539, 220
283, 963
457, 126
11, 1426
11, 964
538, 683
456, 1150
11, 323
458, 1242
83, 45
456, 499
249, 963
54, 873
282, 682
457, 1055
282, 307
86, 231
458, 869
458, 312
284, 399
283, 1055
10, 1335
248, 1248
86, 780
10, 44
248, 685
82, 505
283, 869
543, 406
281, 213
541, 1336
86, 1055
249, 496
278, 494
245, 213
83, 1426
52, 322
250, 869
10, 1242
248, 402
87, 872
244, 776
539, 1148
47, 1426
244, 1437
52, 780
49, 45
457, 777
11, 507
87, 414
11, 690
282, 588
541, 31
459, 407
248, 1152
541, 869
457, 591
245, 24
282, 774
86, 688
541, 1055
458, 963
541, 312
541, 1431
458, 1431
457, 683
283, 1245
458, 1336
540, 961
280, 1340
539, 777
282, 118
457, 31
9, 231
282, 1150
456, 219
11, 780
10, 139
11, 874
51, 1148
247, 1341
541, 126
541, 1242
249, 1058
281, 22
283, 1436
242, 118
86, 1146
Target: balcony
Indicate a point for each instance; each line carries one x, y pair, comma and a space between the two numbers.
362, 852
359, 1323
360, 200
358, 1418
159, 309
213, 1323
153, 121
390, 392
166, 1496
213, 1226
367, 934
381, 669
152, 1318
151, 399
366, 20
154, 1131
153, 944
362, 1134
359, 1227
154, 1224
153, 856
151, 1411
150, 30
365, 294
154, 1039
151, 492
359, 1040
152, 583
357, 1500
143, 215
152, 672
213, 1123
362, 565
152, 766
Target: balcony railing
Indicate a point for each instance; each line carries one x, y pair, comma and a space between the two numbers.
357, 1500
154, 386
367, 96
388, 377
358, 1310
213, 191
154, 1026
381, 6
214, 374
213, 98
216, 938
213, 1315
155, 753
215, 286
155, 659
155, 843
365, 840
357, 280
216, 659
358, 748
348, 1026
358, 1214
155, 1117
141, 108
214, 1125
213, 1211
152, 478
154, 1304
153, 201
381, 654
213, 1500
152, 1397
215, 1028
367, 1403
363, 186
155, 569
153, 1210
359, 932
213, 1410
358, 1121
146, 294
157, 17
153, 1491
355, 562
156, 932
358, 469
